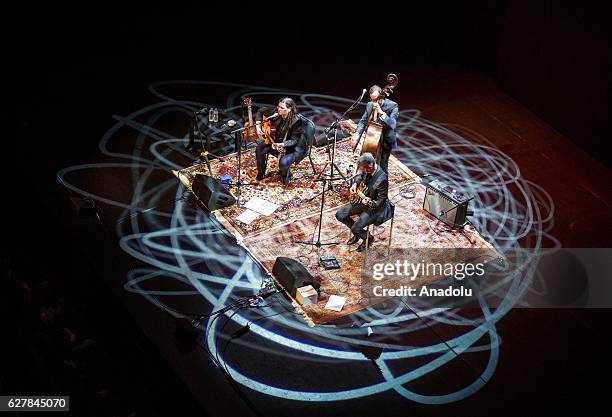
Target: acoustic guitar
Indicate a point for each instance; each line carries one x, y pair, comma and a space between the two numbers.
359, 195
251, 134
269, 131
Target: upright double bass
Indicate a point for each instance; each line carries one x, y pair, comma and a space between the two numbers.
373, 136
373, 131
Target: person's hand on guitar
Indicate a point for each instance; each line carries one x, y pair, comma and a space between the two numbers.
367, 201
278, 146
353, 189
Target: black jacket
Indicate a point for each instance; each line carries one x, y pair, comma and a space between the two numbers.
378, 191
389, 124
295, 132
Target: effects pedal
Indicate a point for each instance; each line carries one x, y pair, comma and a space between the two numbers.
329, 262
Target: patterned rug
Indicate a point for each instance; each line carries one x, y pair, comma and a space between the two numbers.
297, 218
297, 200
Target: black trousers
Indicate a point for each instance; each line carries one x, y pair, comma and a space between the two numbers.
263, 150
385, 153
357, 227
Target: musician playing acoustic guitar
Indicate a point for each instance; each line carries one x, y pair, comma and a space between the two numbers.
289, 144
369, 199
383, 111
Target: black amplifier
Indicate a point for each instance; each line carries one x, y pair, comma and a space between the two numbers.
446, 204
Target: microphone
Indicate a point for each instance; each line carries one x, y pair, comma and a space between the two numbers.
227, 125
203, 110
275, 115
353, 176
362, 94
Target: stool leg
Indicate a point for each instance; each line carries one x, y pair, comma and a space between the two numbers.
365, 252
390, 235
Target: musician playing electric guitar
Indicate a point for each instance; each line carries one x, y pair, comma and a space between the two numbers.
290, 142
384, 111
369, 199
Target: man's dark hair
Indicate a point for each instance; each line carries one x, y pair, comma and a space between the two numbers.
288, 101
366, 160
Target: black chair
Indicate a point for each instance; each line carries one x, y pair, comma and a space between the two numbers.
309, 132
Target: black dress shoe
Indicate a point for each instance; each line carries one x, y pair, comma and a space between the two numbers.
362, 247
354, 239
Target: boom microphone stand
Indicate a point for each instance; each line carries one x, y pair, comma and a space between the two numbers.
318, 243
194, 132
332, 153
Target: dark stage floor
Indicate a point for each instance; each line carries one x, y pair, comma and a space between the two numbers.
98, 307
550, 357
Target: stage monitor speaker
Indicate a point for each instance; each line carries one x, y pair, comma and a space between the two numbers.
324, 140
444, 207
211, 192
291, 274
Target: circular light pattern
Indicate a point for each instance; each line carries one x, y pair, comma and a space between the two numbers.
181, 243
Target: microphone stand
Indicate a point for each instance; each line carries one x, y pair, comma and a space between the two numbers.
238, 135
332, 154
329, 179
318, 243
365, 129
206, 149
194, 130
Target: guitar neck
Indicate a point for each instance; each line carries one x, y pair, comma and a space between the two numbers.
250, 115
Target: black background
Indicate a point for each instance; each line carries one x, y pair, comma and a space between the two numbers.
552, 57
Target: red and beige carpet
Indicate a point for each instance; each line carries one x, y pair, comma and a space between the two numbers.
297, 217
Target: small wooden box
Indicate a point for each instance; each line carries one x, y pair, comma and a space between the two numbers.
306, 295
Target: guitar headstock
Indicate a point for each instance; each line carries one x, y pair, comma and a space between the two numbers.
247, 101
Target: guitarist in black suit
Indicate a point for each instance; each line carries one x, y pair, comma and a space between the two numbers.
387, 111
375, 208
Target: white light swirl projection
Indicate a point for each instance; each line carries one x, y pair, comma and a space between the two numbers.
182, 244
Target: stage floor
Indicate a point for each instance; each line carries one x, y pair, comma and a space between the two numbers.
160, 261
297, 217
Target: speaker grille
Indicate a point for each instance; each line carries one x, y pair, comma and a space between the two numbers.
442, 207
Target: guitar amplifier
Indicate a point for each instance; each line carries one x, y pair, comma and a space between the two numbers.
445, 204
